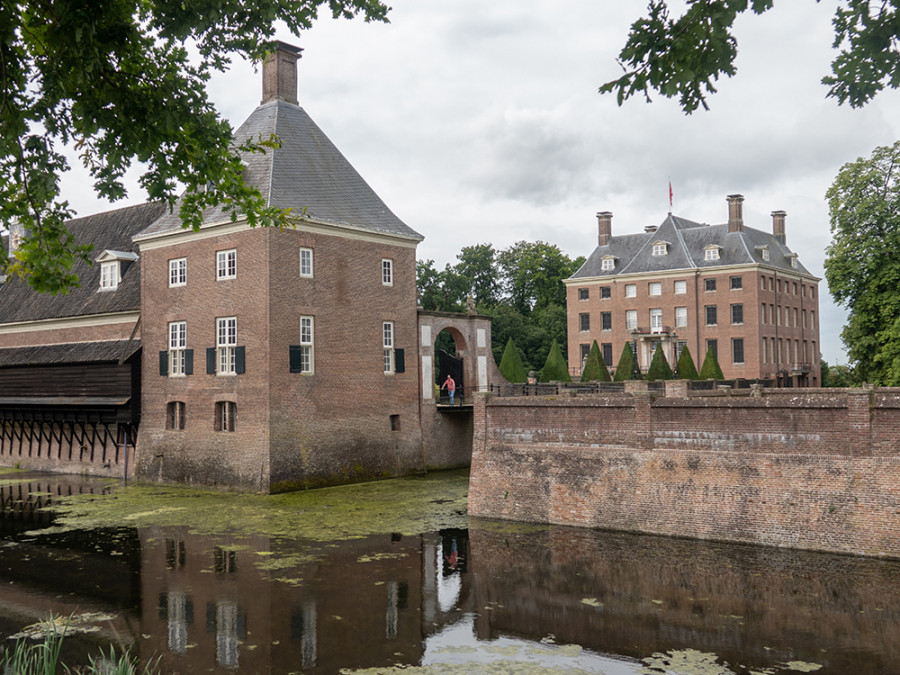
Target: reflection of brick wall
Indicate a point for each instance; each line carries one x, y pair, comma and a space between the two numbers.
804, 469
635, 595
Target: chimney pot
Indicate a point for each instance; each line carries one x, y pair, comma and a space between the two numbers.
778, 225
280, 74
735, 213
604, 227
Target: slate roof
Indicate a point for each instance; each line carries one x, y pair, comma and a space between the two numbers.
108, 230
306, 172
80, 352
688, 241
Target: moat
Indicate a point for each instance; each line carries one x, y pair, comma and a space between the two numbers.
394, 576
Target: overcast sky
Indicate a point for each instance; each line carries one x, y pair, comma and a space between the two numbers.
480, 122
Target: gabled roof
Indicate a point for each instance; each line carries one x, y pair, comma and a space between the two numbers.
307, 173
688, 241
111, 230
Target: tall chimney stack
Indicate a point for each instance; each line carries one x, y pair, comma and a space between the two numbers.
280, 74
735, 213
778, 225
604, 227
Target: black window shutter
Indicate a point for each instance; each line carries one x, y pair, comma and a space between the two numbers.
295, 366
211, 360
188, 361
164, 363
399, 361
239, 359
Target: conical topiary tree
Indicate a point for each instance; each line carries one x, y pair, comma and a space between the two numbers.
685, 368
710, 369
555, 369
659, 366
595, 369
627, 370
511, 366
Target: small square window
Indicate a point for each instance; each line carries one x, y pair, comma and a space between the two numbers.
660, 249
711, 254
737, 283
655, 288
306, 262
605, 292
582, 294
680, 287
178, 272
710, 284
630, 290
607, 264
387, 272
109, 276
226, 264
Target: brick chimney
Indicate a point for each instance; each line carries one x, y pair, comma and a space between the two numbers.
735, 213
280, 74
778, 225
604, 226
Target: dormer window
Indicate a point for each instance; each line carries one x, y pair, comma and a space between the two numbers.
113, 265
660, 248
711, 252
765, 254
793, 259
607, 263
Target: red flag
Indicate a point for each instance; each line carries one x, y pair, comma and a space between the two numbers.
670, 195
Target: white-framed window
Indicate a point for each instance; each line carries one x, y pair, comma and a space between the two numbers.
226, 264
387, 272
607, 264
226, 344
307, 362
306, 262
177, 347
630, 290
178, 272
680, 287
109, 276
656, 324
711, 254
660, 248
655, 288
387, 332
631, 319
680, 317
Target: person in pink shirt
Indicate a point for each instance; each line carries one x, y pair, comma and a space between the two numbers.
450, 386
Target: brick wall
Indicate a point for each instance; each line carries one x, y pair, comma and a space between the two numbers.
815, 469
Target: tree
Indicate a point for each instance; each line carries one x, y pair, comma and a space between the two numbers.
116, 81
684, 56
477, 265
710, 369
533, 273
511, 364
440, 291
595, 369
685, 368
659, 366
555, 369
627, 368
861, 262
837, 375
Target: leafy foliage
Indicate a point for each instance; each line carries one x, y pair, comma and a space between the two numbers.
837, 375
511, 364
685, 368
659, 366
683, 57
627, 368
710, 369
555, 369
861, 263
116, 80
595, 369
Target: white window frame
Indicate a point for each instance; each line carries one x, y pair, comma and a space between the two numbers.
656, 320
681, 287
765, 254
307, 344
660, 249
177, 347
226, 345
630, 319
654, 288
630, 290
177, 272
711, 253
226, 264
387, 340
607, 264
681, 317
109, 275
387, 272
306, 263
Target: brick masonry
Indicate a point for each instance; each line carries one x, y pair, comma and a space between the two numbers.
814, 469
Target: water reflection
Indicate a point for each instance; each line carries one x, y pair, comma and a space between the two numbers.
557, 597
